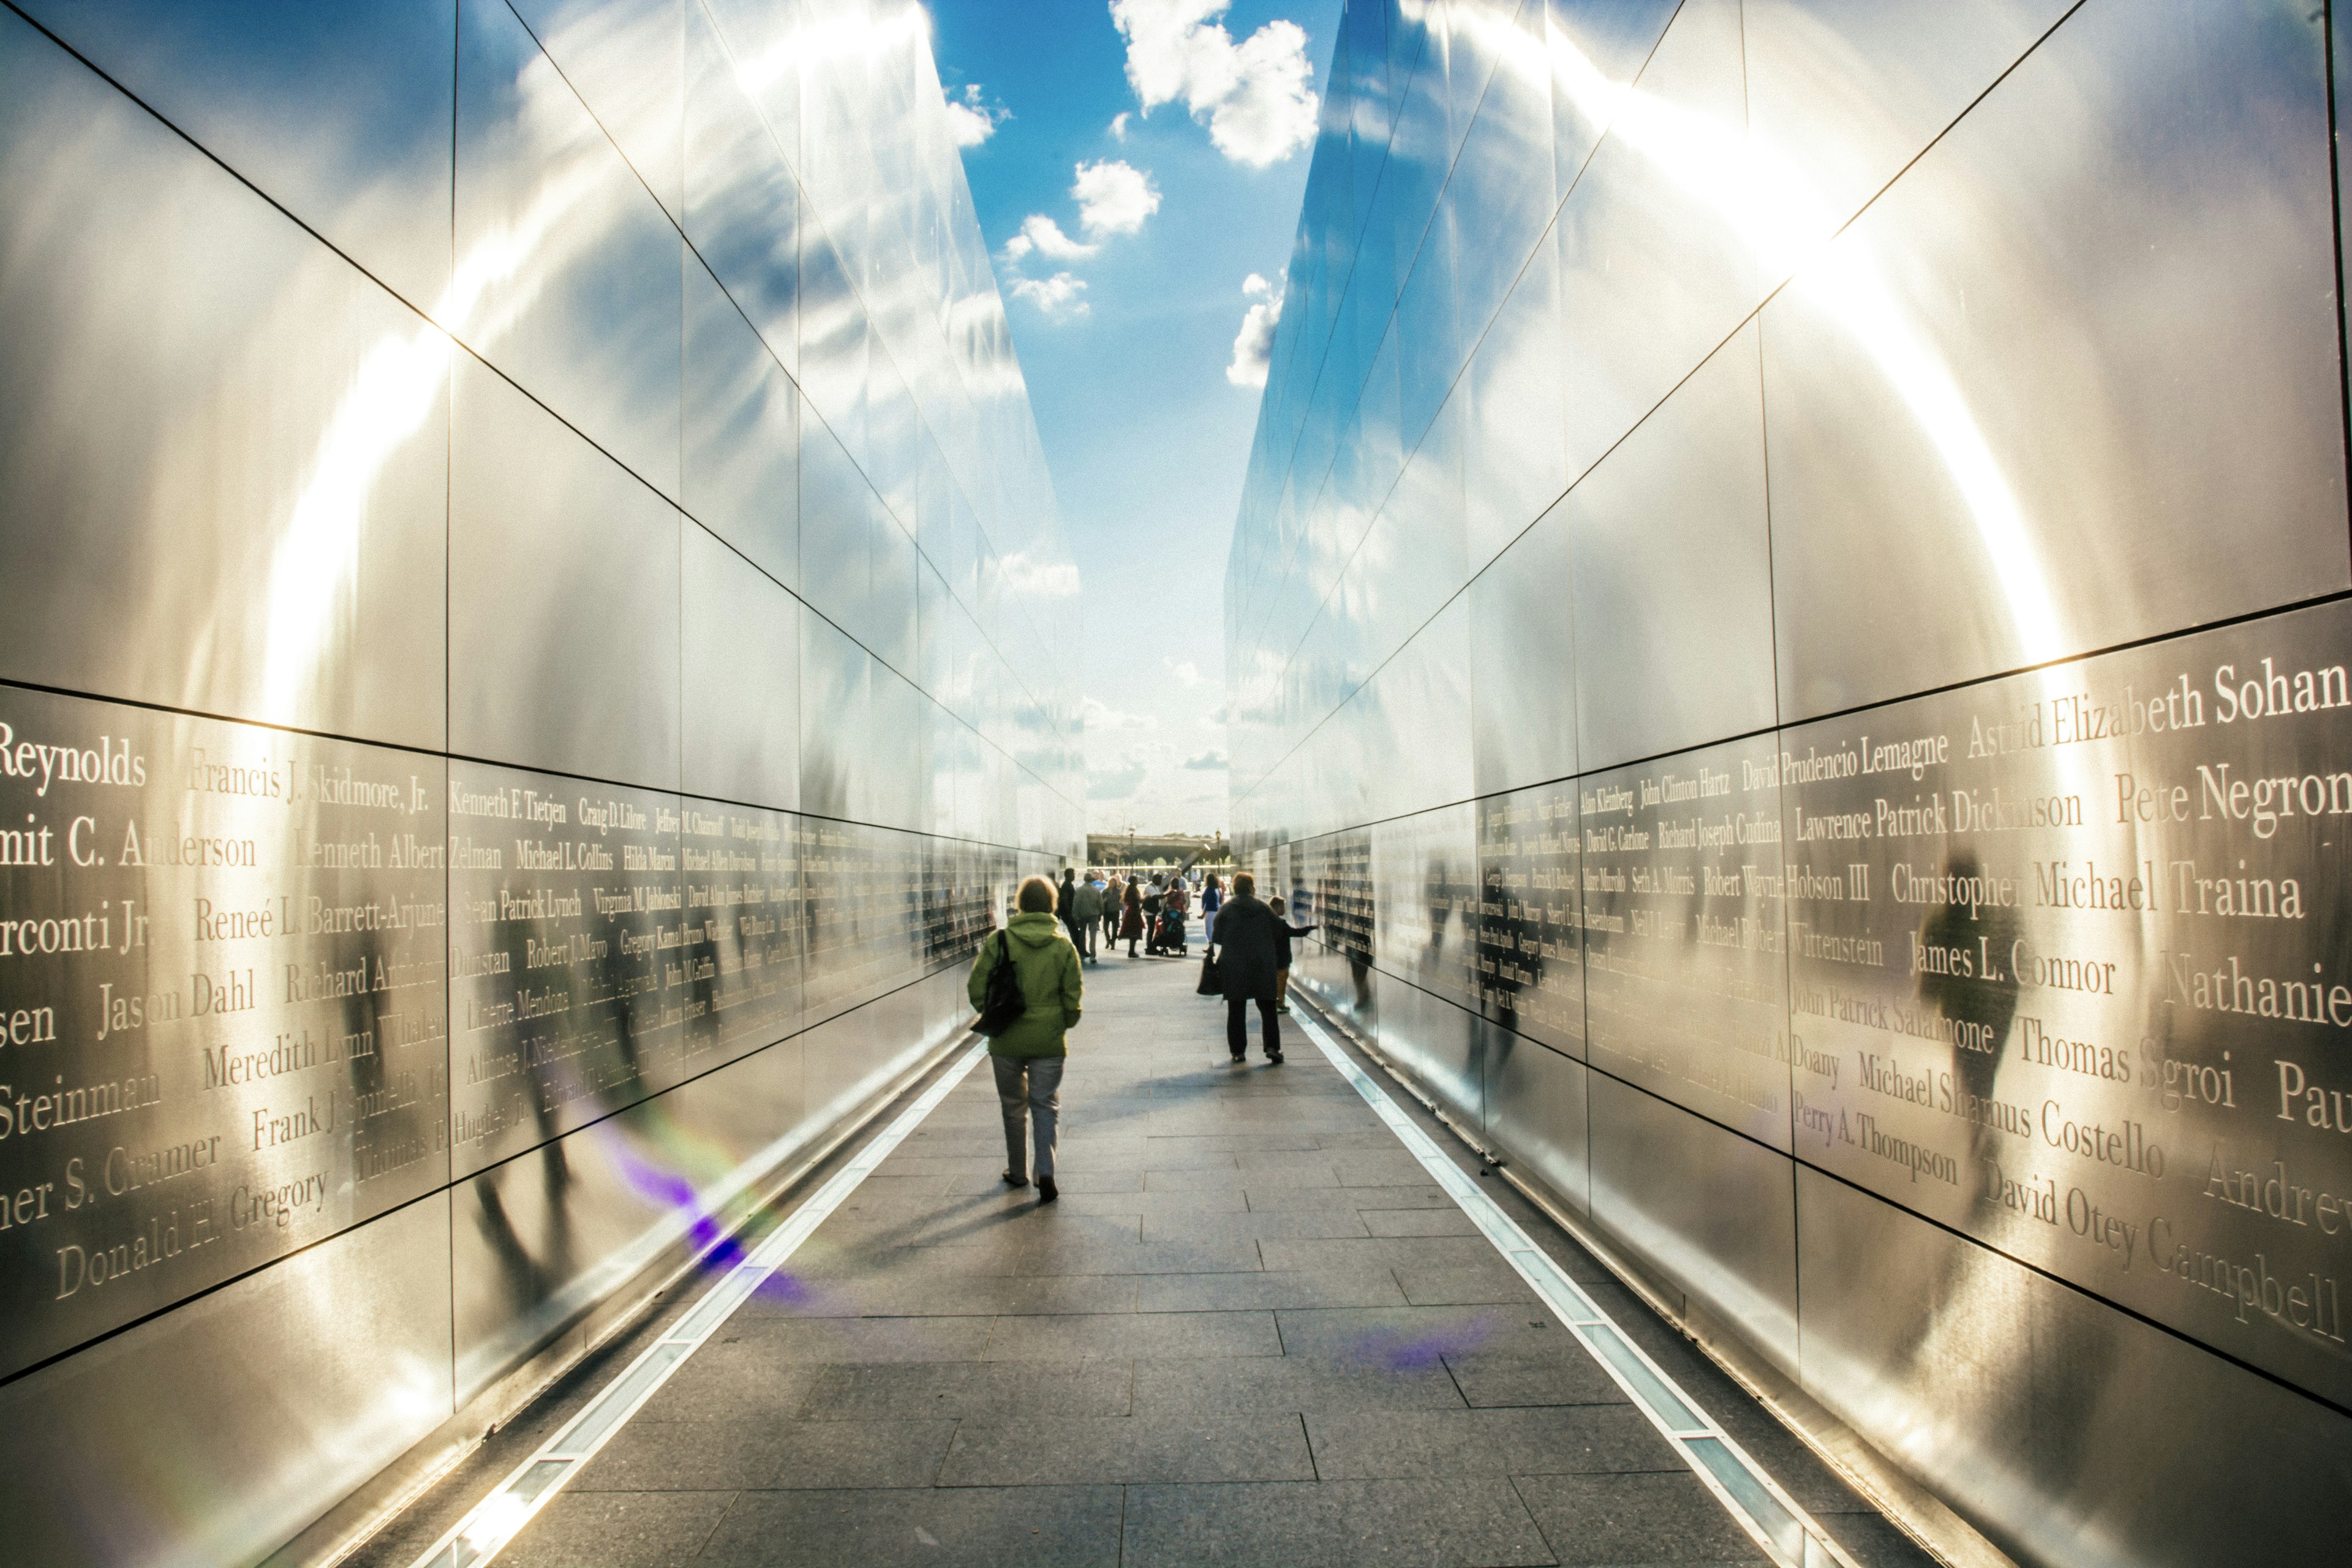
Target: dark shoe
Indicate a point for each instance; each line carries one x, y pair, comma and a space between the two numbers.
1047, 1190
1274, 1058
1013, 1181
1239, 1057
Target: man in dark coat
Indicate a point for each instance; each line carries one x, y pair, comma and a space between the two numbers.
1248, 953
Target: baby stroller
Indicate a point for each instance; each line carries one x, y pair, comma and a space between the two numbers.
1171, 936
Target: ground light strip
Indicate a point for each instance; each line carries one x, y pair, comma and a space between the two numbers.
1782, 1529
499, 1518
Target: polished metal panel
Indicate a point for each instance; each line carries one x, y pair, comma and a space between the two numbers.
2064, 953
836, 540
742, 205
836, 717
2046, 1439
1681, 500
1513, 462
890, 592
343, 120
1656, 269
625, 59
573, 961
1591, 49
571, 268
1425, 901
743, 888
563, 579
1715, 1211
1843, 93
1530, 931
178, 1441
739, 715
2017, 494
1428, 681
1685, 979
1499, 192
1439, 1043
739, 460
224, 1029
1536, 1112
228, 495
537, 1240
1523, 660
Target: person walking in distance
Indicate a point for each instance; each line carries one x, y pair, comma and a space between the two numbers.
1211, 897
1114, 902
1065, 908
1029, 1055
1085, 917
1248, 953
1283, 932
1130, 919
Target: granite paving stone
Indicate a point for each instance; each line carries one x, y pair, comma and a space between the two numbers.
1343, 1524
1258, 1446
1230, 1292
1652, 1516
1559, 1439
619, 1530
942, 1527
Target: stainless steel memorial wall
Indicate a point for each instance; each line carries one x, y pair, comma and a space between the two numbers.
524, 561
1790, 619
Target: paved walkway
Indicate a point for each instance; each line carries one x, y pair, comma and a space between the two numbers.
1252, 1331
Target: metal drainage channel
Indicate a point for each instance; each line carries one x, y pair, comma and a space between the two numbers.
1786, 1532
499, 1518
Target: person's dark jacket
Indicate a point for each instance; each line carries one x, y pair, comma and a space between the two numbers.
1249, 946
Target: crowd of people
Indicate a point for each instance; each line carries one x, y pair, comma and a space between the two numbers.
1027, 981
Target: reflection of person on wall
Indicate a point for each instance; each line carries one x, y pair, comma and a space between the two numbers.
1283, 932
1979, 1004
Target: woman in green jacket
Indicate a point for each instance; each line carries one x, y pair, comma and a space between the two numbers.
1028, 1056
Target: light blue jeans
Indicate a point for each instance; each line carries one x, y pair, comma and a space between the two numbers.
1029, 1090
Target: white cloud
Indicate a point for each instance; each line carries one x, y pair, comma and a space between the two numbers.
1187, 674
1254, 344
1099, 716
972, 122
1055, 296
1120, 781
1208, 761
1118, 125
1113, 197
1253, 96
1043, 236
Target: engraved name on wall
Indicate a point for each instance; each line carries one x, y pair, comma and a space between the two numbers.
2066, 956
222, 1004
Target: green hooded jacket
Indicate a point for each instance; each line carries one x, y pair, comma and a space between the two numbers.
1048, 967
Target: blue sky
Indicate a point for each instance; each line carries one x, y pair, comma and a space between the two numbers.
1127, 345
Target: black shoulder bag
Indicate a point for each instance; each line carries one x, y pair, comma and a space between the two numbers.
1212, 983
1001, 1005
